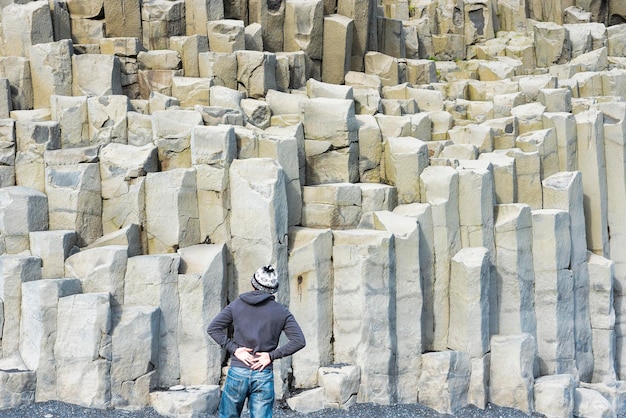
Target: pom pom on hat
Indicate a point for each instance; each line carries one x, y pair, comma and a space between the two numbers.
265, 279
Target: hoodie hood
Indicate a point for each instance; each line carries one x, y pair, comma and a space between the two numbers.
256, 297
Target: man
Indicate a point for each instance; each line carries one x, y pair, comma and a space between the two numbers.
257, 320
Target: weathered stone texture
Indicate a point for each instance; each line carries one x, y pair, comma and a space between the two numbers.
440, 185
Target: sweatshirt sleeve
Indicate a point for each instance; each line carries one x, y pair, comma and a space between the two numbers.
295, 336
217, 329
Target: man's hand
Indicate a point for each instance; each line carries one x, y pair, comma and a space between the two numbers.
261, 361
244, 354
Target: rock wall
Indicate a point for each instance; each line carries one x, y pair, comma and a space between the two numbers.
440, 184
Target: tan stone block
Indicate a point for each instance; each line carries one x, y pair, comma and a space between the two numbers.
161, 19
191, 91
479, 25
437, 389
151, 281
256, 72
157, 81
172, 136
87, 31
390, 40
189, 48
85, 66
516, 354
544, 142
123, 18
352, 279
330, 120
17, 71
304, 27
326, 165
449, 47
221, 66
51, 75
226, 35
469, 314
551, 44
199, 12
107, 119
359, 11
24, 25
384, 66
592, 164
338, 33
183, 229
271, 17
254, 37
301, 68
403, 160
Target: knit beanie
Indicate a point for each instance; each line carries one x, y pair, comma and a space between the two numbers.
265, 279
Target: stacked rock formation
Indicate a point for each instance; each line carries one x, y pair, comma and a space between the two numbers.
440, 184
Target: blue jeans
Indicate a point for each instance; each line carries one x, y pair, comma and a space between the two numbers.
242, 383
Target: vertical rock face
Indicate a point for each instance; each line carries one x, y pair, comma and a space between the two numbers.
401, 156
212, 151
284, 149
72, 117
592, 165
24, 25
422, 215
134, 355
16, 270
40, 302
82, 350
304, 26
440, 185
202, 294
476, 218
514, 270
7, 151
22, 210
408, 300
555, 395
198, 12
338, 31
100, 269
152, 280
123, 18
259, 233
256, 72
172, 136
183, 227
553, 282
602, 317
123, 170
310, 287
364, 310
83, 82
226, 35
470, 277
32, 140
439, 188
75, 199
53, 247
271, 16
444, 381
511, 373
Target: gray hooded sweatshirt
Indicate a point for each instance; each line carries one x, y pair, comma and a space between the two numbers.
257, 321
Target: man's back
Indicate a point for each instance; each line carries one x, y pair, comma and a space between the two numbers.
258, 320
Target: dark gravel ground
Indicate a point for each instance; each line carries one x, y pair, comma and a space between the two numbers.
56, 409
